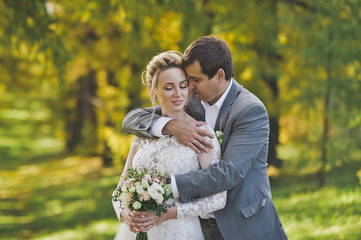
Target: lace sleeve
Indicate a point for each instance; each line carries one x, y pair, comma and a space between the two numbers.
128, 164
205, 206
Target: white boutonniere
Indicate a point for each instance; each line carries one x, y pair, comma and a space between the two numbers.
220, 134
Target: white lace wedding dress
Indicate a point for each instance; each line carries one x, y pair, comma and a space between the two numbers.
167, 154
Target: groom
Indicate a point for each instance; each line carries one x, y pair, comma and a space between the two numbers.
226, 106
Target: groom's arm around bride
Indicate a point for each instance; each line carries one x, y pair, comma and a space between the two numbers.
226, 106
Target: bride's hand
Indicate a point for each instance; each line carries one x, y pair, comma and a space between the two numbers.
143, 221
128, 216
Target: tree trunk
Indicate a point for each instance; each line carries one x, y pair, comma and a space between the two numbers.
209, 17
83, 114
107, 154
326, 112
271, 80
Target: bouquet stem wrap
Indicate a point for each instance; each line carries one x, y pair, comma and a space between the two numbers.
142, 236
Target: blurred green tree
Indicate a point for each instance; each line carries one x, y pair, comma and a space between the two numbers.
83, 61
322, 75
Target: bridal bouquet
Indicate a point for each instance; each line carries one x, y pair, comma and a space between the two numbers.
144, 191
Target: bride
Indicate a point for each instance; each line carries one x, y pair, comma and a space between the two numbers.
168, 85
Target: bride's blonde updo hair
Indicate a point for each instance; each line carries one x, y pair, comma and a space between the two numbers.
158, 64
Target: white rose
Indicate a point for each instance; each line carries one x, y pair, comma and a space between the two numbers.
153, 191
124, 189
132, 189
158, 187
159, 199
137, 205
139, 189
145, 183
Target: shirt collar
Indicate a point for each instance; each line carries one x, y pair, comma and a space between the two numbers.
220, 101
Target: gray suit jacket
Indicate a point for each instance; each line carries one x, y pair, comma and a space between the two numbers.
249, 213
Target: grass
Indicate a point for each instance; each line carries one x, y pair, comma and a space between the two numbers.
58, 199
48, 195
328, 213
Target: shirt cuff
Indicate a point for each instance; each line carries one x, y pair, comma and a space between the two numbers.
157, 127
174, 187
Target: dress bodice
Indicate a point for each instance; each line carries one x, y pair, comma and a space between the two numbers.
164, 154
169, 155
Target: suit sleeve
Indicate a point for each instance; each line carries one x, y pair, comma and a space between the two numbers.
248, 136
139, 121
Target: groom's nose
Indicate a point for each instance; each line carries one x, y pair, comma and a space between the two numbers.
190, 85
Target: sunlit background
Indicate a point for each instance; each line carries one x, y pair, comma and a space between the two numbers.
71, 70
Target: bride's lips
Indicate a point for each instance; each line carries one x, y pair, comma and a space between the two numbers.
177, 102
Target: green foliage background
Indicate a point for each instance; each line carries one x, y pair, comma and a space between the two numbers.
71, 70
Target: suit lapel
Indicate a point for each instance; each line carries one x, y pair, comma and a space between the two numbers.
227, 105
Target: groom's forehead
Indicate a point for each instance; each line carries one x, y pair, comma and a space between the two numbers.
194, 71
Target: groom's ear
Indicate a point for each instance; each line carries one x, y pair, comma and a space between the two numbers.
220, 75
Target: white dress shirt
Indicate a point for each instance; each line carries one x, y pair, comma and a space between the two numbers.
212, 111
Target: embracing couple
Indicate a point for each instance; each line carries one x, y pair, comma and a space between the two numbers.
220, 185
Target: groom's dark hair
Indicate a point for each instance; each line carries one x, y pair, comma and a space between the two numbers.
212, 54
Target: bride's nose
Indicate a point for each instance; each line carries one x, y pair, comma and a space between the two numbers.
177, 92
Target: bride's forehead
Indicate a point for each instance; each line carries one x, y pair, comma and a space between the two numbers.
172, 75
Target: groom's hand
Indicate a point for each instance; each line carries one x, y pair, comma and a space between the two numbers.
189, 134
